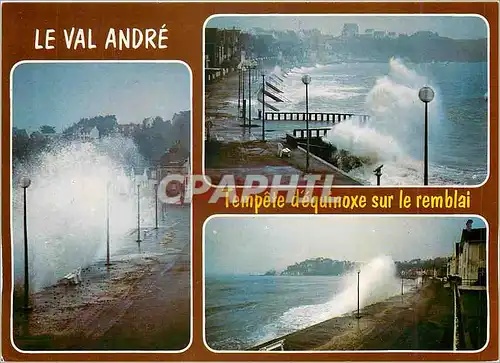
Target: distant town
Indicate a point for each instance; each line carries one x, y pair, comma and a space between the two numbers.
223, 46
322, 266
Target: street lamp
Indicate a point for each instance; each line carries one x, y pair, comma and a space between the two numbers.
263, 106
107, 225
402, 279
306, 79
359, 271
25, 183
156, 205
378, 173
250, 96
244, 111
239, 90
426, 95
138, 215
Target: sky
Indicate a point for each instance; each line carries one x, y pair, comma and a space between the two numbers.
256, 244
60, 94
470, 27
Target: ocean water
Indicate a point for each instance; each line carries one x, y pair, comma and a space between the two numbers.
244, 311
394, 136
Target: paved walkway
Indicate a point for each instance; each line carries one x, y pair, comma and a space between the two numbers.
420, 320
141, 302
226, 128
259, 158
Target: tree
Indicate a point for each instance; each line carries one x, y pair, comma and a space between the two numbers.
47, 129
104, 124
20, 143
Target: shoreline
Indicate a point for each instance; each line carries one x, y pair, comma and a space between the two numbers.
385, 325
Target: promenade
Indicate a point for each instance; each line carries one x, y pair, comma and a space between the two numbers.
421, 319
240, 151
141, 302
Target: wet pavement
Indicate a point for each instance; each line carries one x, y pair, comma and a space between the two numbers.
140, 302
221, 113
421, 319
259, 158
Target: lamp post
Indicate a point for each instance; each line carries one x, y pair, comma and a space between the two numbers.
107, 225
378, 173
243, 100
25, 183
306, 79
402, 286
359, 271
156, 205
239, 90
263, 107
426, 95
138, 214
249, 96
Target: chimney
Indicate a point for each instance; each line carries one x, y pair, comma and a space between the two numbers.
468, 225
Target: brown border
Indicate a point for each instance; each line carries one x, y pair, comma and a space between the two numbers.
185, 22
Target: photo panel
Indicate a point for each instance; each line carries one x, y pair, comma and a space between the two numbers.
372, 99
95, 238
249, 181
346, 283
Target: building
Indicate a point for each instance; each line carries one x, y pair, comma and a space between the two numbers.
89, 133
141, 176
176, 161
128, 130
472, 258
49, 132
467, 266
148, 122
211, 48
469, 284
230, 43
173, 161
379, 34
222, 48
368, 34
452, 266
350, 30
182, 116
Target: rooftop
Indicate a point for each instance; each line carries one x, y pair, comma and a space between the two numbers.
474, 235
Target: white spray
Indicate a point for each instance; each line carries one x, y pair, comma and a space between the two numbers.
377, 282
394, 134
67, 206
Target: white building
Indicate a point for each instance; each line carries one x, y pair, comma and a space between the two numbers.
350, 30
472, 258
89, 134
467, 266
